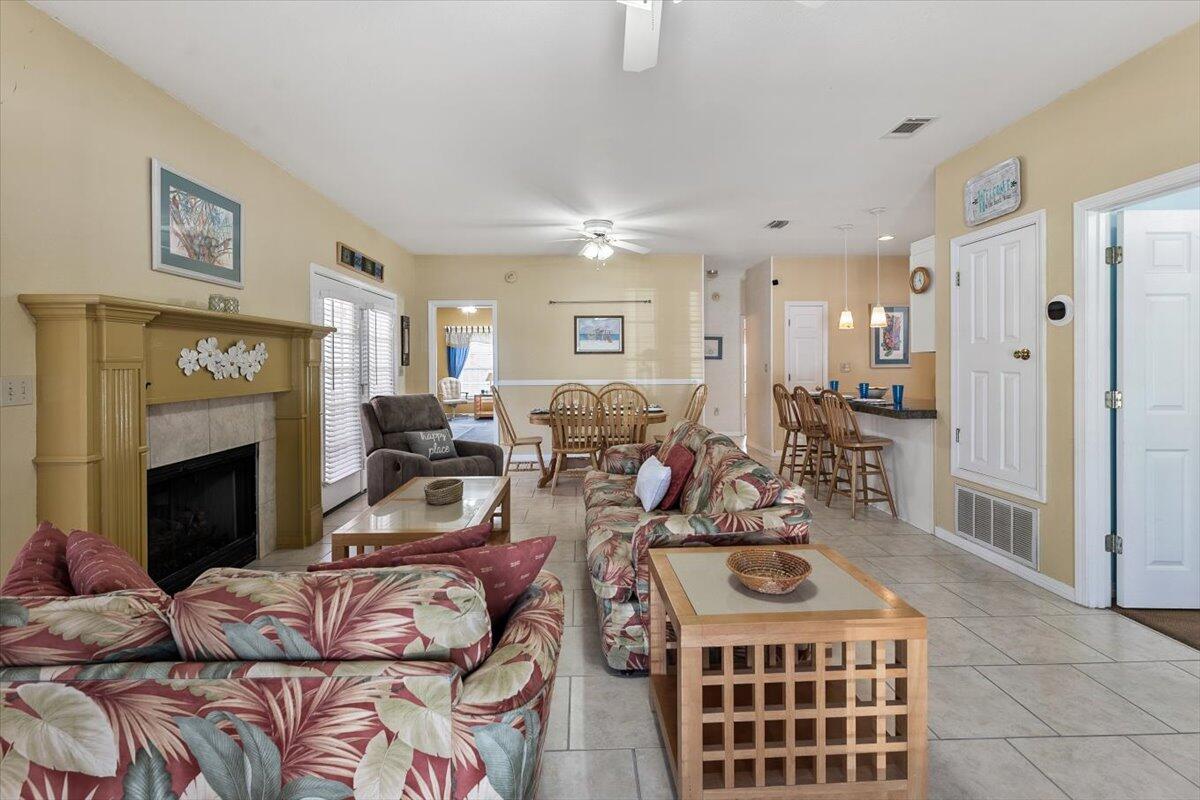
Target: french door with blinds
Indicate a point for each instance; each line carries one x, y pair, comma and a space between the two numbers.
358, 362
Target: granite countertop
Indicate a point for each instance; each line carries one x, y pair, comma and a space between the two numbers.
912, 409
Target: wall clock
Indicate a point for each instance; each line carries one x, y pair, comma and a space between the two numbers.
919, 280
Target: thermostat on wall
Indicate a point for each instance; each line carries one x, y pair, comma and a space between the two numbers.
1060, 310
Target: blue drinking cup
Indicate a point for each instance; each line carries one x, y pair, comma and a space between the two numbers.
833, 386
898, 395
863, 389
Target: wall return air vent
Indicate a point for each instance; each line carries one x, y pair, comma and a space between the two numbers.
776, 224
908, 127
998, 524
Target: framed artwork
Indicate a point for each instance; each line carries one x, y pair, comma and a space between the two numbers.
347, 256
404, 340
889, 345
196, 230
714, 348
599, 335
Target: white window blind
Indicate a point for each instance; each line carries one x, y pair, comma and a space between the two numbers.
477, 371
379, 351
343, 359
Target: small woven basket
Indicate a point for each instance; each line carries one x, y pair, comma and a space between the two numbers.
443, 491
768, 571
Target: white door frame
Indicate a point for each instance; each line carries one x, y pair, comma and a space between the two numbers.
431, 314
788, 305
1038, 220
1093, 351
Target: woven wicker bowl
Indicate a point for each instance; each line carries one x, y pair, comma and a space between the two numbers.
768, 571
443, 492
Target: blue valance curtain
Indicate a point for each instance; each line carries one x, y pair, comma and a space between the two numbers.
458, 342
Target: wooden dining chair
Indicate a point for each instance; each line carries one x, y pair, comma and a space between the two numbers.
695, 408
568, 385
617, 385
789, 420
622, 415
574, 428
852, 449
509, 438
818, 449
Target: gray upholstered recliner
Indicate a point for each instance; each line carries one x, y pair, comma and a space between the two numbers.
390, 463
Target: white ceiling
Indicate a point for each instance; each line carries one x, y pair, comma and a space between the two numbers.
490, 127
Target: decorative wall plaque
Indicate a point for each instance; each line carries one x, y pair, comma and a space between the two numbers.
993, 192
237, 360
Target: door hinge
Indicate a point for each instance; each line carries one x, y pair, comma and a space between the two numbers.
1113, 544
957, 435
1114, 255
957, 278
1113, 399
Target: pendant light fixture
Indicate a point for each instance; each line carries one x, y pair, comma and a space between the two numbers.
878, 316
846, 320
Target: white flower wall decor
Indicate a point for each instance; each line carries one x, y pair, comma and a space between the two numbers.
237, 360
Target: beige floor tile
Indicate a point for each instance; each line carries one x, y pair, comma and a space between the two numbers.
581, 653
1120, 638
557, 728
952, 645
963, 704
984, 769
1003, 598
898, 545
974, 568
573, 574
1028, 640
584, 604
654, 775
1070, 702
611, 711
588, 775
519, 531
1105, 768
914, 569
935, 600
856, 546
1179, 751
1189, 666
1162, 689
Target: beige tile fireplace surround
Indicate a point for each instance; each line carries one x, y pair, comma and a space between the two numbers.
103, 361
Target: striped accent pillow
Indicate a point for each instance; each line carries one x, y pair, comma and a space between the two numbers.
97, 566
40, 568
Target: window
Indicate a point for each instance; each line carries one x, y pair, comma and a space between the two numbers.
477, 372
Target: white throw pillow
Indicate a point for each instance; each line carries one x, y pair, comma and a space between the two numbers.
653, 478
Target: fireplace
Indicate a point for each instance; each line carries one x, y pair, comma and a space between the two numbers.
202, 512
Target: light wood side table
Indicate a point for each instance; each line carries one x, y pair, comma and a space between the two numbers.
820, 693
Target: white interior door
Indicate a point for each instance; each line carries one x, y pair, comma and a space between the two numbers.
1158, 468
997, 362
806, 353
358, 361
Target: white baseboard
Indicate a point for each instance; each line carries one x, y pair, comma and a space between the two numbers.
1020, 570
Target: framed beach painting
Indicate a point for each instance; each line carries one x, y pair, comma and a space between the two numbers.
889, 345
599, 335
196, 230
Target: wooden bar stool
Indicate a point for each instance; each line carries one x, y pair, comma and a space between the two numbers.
852, 449
789, 420
818, 449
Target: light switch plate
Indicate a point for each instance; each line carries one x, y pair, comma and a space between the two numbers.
16, 390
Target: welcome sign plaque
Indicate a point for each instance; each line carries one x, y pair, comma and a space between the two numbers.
993, 192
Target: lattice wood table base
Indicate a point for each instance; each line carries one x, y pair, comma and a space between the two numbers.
789, 704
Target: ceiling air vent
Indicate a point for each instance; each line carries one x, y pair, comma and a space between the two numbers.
908, 127
776, 224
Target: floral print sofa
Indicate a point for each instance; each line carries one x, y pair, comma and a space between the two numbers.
368, 683
727, 499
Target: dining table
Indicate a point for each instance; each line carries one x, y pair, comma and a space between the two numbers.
655, 414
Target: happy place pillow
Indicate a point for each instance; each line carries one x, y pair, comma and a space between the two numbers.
434, 445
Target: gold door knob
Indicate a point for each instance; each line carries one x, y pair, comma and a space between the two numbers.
1023, 354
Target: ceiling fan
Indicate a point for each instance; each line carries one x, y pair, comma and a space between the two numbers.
598, 239
643, 21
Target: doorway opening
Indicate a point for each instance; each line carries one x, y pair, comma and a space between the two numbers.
464, 365
1138, 398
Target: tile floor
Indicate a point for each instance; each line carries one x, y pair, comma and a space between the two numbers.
1030, 696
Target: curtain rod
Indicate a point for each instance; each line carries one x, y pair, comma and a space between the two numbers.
593, 302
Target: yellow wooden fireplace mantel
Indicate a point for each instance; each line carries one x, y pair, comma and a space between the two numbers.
102, 360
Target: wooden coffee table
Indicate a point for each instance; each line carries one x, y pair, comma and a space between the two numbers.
818, 693
404, 516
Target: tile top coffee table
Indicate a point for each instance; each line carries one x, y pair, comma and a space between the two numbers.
404, 516
817, 693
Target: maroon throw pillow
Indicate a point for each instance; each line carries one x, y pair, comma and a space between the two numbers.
680, 460
505, 570
391, 556
40, 568
97, 566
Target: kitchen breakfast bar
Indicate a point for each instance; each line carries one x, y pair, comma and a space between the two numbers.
909, 460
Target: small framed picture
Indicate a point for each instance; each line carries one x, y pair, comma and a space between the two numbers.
404, 341
196, 230
889, 345
714, 348
595, 335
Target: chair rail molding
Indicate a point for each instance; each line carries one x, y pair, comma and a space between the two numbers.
101, 360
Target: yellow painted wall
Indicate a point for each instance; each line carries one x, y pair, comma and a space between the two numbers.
453, 316
756, 307
77, 132
1136, 121
535, 340
819, 278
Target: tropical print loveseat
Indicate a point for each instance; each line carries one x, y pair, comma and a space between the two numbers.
729, 498
367, 683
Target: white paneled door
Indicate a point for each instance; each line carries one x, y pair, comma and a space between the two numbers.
806, 352
997, 361
1158, 361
